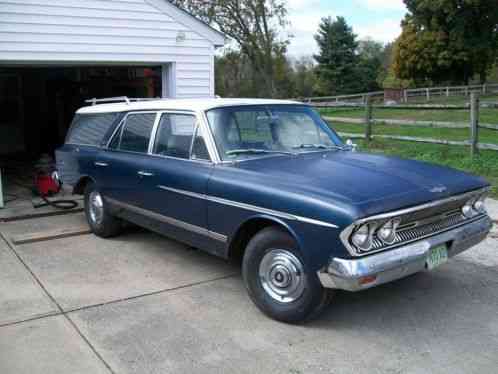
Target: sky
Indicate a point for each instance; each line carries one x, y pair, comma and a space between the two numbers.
376, 19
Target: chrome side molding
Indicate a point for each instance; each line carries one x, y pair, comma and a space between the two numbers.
169, 220
253, 208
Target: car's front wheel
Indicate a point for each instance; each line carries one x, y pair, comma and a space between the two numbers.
101, 222
278, 280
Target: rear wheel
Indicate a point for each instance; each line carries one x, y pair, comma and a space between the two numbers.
99, 219
278, 280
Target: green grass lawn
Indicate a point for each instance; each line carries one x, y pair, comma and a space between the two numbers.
487, 115
451, 100
485, 135
486, 164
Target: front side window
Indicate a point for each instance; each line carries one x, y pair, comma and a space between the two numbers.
178, 136
248, 131
136, 132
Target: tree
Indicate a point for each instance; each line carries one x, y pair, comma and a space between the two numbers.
337, 58
305, 77
346, 65
493, 73
236, 78
285, 83
255, 25
447, 40
387, 77
387, 60
370, 53
233, 75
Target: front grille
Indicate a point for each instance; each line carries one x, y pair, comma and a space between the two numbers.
453, 206
416, 223
420, 231
425, 222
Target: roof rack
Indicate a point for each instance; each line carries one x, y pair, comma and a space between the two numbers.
119, 99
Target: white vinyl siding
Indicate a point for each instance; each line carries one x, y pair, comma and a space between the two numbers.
100, 32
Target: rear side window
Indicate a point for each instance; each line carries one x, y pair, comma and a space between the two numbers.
136, 132
90, 129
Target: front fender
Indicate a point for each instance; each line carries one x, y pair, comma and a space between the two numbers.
316, 244
254, 219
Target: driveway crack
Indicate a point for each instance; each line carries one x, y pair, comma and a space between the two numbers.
61, 311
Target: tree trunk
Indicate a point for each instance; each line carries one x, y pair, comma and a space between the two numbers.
483, 77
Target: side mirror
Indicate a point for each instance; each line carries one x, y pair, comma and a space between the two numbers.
351, 145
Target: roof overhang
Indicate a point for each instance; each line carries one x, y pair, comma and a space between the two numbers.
216, 37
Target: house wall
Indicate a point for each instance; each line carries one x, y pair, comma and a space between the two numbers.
34, 32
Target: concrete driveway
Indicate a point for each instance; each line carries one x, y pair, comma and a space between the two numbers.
141, 303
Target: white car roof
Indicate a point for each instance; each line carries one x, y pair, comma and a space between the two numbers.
195, 105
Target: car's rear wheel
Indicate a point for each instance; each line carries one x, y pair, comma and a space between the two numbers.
278, 279
101, 222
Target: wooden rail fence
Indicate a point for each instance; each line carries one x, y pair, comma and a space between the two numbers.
474, 126
407, 95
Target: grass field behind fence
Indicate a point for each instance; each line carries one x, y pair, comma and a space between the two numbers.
485, 135
457, 157
451, 100
487, 115
422, 99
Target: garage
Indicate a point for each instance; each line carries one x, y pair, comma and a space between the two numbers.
39, 102
55, 54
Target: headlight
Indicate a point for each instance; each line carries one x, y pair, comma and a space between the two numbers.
479, 205
387, 232
468, 209
362, 238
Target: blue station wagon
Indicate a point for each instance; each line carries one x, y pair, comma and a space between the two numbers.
269, 183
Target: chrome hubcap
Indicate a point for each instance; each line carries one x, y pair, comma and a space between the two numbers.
96, 207
282, 275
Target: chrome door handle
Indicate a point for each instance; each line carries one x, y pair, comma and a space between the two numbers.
102, 164
145, 174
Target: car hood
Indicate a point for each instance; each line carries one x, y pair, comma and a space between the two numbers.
373, 183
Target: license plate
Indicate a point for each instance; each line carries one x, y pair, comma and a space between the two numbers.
437, 256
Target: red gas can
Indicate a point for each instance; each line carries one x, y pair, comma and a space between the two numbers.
46, 185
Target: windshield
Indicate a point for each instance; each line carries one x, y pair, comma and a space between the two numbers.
251, 131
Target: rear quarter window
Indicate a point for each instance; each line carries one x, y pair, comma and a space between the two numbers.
90, 129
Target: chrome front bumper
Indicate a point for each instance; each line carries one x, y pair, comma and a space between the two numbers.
371, 271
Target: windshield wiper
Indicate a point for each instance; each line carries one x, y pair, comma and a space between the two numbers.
319, 146
255, 151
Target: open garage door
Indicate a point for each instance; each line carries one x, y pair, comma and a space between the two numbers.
38, 103
11, 115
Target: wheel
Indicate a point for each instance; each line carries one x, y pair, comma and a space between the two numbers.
101, 222
278, 280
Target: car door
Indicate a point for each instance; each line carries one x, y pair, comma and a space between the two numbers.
181, 166
122, 168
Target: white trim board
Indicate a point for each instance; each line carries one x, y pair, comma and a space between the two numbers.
188, 20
